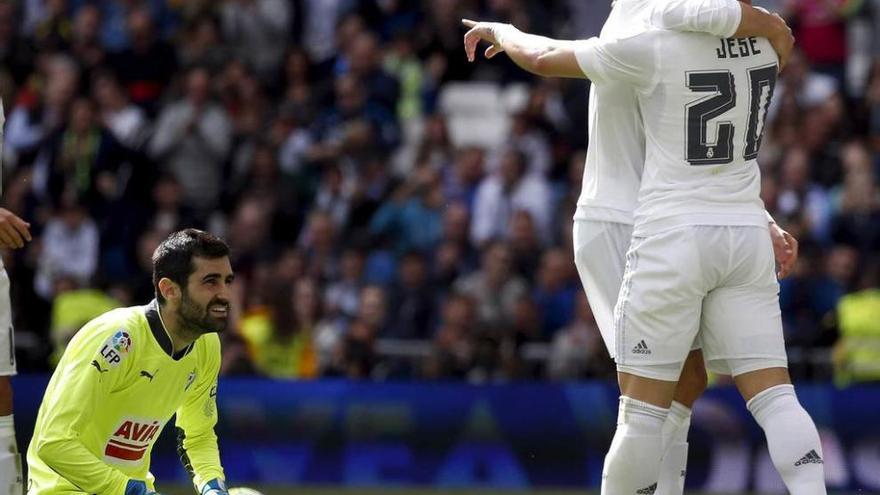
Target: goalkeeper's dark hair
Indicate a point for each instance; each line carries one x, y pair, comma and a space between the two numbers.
173, 259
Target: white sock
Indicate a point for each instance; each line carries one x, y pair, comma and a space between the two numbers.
792, 439
10, 462
633, 461
673, 466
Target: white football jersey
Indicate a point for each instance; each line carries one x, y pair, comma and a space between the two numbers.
704, 101
616, 151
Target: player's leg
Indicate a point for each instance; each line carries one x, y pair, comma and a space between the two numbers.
656, 319
600, 249
742, 331
599, 256
10, 461
691, 384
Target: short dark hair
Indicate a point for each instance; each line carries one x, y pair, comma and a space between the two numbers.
173, 258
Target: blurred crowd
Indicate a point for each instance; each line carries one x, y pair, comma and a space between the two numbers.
369, 242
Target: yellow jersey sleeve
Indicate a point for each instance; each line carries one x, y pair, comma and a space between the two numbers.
96, 360
196, 440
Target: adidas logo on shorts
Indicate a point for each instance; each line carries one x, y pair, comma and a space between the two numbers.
641, 348
648, 490
810, 458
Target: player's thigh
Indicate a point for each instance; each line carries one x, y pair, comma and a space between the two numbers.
742, 322
599, 255
658, 309
7, 342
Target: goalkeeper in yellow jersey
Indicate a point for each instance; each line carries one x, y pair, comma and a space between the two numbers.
128, 371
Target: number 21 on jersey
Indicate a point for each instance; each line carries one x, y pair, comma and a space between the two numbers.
698, 148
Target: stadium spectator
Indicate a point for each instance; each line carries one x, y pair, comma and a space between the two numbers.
85, 43
41, 107
412, 219
127, 122
525, 245
799, 195
68, 248
577, 349
320, 244
857, 353
453, 347
80, 159
555, 291
365, 63
462, 177
146, 65
354, 124
203, 45
74, 306
821, 32
494, 288
502, 194
373, 310
282, 339
257, 29
411, 315
342, 297
192, 141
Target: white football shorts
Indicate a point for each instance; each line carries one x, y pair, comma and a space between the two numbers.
600, 257
718, 281
7, 342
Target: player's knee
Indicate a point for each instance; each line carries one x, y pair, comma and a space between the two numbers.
696, 381
693, 380
5, 396
5, 388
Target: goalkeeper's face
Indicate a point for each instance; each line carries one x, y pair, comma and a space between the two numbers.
204, 302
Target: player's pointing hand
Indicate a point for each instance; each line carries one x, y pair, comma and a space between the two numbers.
488, 31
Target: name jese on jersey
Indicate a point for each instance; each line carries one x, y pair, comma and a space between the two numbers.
738, 47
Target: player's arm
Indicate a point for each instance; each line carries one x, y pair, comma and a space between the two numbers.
85, 381
627, 60
724, 18
196, 440
536, 54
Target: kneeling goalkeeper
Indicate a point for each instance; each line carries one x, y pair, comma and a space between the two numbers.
128, 371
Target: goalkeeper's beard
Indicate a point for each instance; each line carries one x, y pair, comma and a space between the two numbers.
197, 319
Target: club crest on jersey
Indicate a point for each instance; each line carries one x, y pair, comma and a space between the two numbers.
131, 439
116, 348
189, 380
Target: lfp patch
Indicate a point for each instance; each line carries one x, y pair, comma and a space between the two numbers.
122, 342
116, 348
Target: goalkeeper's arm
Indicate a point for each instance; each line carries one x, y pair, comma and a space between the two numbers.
196, 440
66, 411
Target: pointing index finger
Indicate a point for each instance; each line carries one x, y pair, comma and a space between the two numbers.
469, 23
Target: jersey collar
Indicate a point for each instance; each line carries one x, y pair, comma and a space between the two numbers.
160, 334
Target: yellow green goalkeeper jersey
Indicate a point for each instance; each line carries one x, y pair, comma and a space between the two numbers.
116, 386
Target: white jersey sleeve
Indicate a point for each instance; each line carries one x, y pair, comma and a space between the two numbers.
716, 17
627, 60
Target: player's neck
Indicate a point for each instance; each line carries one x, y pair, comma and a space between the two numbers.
176, 329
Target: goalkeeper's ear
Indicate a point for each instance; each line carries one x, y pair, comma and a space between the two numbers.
169, 289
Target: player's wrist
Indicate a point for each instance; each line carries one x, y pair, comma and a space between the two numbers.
138, 487
503, 32
214, 487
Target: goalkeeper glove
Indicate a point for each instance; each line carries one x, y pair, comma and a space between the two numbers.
137, 487
214, 487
